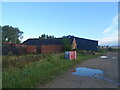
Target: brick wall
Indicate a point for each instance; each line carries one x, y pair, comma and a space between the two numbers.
51, 48
14, 49
74, 44
31, 49
26, 49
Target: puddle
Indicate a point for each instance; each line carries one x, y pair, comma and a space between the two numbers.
104, 57
93, 73
113, 57
83, 71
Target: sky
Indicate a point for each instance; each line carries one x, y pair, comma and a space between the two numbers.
91, 20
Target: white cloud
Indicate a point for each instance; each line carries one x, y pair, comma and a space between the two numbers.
115, 20
110, 34
107, 30
109, 40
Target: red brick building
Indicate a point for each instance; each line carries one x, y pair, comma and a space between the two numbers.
55, 45
51, 48
46, 45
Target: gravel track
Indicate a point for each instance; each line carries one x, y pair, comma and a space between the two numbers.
109, 66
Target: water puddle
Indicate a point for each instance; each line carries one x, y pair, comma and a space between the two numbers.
104, 57
113, 57
83, 71
93, 73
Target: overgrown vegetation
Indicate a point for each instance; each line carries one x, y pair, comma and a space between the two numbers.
66, 44
19, 72
20, 61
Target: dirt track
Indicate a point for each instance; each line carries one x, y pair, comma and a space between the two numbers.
68, 80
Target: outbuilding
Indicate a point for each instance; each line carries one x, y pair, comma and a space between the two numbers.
55, 45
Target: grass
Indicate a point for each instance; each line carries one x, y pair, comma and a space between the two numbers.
37, 73
20, 61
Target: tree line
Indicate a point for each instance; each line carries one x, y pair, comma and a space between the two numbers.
45, 36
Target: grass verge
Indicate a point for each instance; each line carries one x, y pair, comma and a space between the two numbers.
39, 72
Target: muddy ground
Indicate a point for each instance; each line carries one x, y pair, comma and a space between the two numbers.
109, 66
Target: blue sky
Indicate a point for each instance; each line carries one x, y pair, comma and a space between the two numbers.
91, 20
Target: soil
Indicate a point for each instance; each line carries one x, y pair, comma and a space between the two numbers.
108, 65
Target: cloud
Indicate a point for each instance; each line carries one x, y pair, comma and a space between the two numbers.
107, 30
110, 39
115, 20
110, 34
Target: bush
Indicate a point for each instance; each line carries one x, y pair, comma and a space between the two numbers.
50, 58
66, 44
81, 52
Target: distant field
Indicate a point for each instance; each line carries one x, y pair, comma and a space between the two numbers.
32, 70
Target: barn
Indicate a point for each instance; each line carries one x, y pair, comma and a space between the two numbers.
85, 44
55, 45
37, 45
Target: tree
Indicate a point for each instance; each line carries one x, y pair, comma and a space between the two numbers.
44, 36
66, 44
11, 34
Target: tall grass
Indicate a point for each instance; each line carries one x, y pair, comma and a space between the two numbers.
39, 72
20, 61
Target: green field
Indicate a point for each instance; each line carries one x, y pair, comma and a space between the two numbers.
33, 70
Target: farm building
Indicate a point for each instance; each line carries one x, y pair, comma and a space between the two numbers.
16, 49
55, 45
44, 45
85, 44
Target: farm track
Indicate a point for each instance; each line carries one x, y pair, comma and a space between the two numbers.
68, 80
